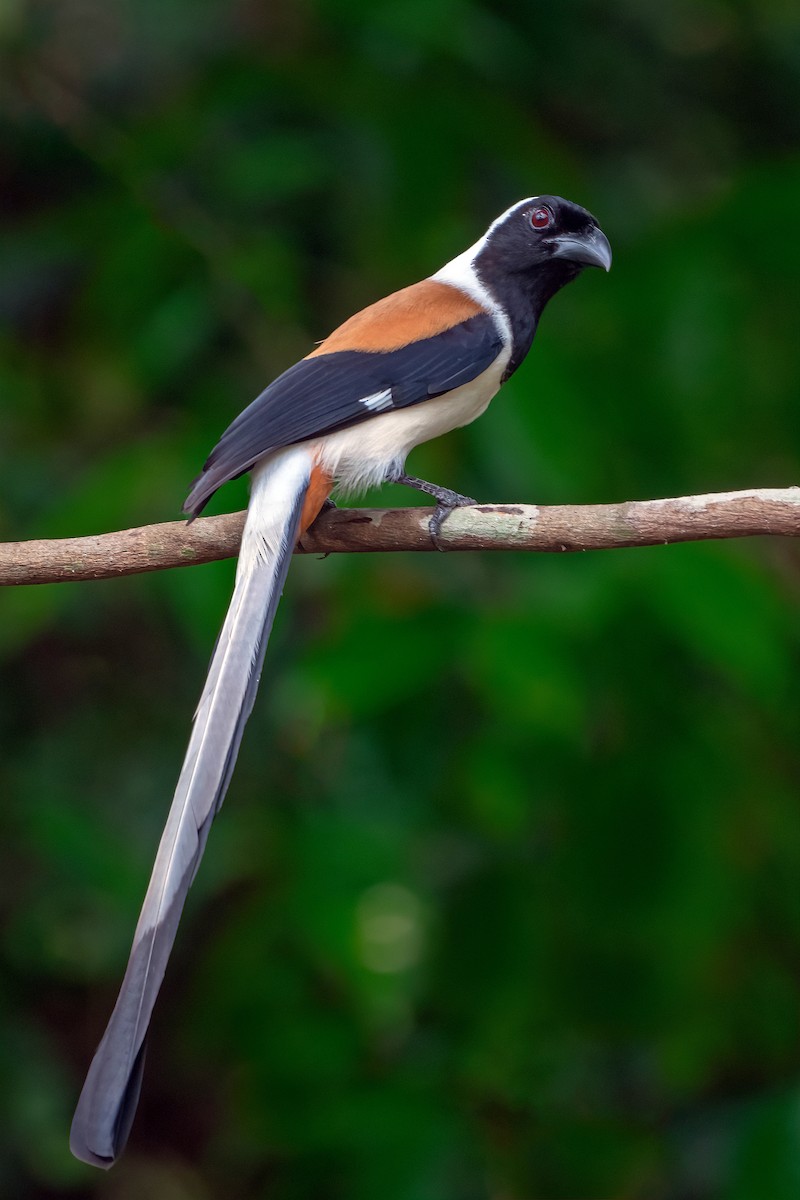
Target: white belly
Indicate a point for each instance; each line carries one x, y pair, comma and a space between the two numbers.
368, 453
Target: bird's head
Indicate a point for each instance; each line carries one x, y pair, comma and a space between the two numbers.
544, 242
546, 230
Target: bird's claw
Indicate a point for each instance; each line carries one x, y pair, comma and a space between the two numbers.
444, 507
446, 500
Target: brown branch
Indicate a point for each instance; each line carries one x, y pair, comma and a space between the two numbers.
558, 528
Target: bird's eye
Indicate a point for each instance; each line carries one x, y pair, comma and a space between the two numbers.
541, 218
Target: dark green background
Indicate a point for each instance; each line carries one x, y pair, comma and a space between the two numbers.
505, 900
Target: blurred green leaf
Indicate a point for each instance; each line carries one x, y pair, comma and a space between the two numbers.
504, 900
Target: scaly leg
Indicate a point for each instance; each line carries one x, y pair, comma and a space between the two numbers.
446, 501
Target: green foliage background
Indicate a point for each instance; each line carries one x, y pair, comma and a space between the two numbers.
505, 900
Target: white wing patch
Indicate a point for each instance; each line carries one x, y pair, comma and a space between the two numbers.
378, 402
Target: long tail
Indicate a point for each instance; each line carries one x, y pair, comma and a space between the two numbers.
275, 519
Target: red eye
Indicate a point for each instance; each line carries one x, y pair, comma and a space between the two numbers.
541, 218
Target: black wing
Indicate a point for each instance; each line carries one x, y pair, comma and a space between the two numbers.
328, 391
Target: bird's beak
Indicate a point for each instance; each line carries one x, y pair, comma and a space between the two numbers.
590, 249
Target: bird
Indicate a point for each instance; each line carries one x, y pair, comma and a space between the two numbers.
420, 362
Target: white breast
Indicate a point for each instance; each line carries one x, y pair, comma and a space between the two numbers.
368, 453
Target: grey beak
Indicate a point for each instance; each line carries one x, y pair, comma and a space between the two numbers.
590, 249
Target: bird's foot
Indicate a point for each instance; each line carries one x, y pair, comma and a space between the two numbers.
446, 500
328, 505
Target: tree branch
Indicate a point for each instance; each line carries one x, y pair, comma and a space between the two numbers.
557, 528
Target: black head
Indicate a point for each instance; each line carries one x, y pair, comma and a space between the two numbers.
545, 235
532, 251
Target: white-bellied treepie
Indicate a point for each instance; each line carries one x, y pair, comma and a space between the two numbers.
422, 361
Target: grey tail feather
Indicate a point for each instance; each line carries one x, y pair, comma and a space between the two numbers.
107, 1103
